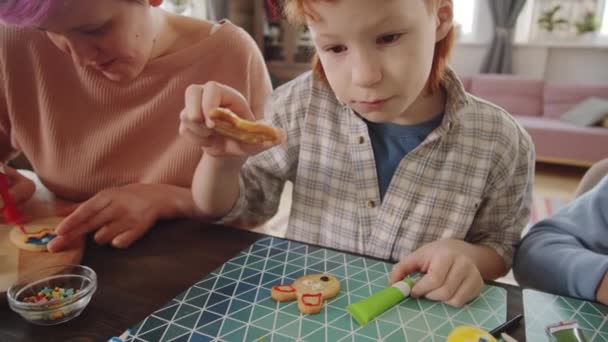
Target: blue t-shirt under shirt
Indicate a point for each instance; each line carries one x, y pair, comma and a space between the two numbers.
391, 142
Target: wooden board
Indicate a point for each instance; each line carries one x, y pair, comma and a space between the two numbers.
14, 261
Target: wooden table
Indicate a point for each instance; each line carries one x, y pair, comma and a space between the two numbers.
135, 282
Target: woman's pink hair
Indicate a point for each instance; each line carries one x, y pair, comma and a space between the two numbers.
26, 12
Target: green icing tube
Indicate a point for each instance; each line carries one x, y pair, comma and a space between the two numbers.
369, 308
566, 332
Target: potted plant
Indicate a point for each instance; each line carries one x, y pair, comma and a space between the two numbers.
549, 20
587, 24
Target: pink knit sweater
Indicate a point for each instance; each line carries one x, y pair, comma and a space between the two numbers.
83, 133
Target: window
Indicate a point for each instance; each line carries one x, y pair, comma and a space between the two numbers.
176, 6
527, 29
604, 30
464, 14
194, 8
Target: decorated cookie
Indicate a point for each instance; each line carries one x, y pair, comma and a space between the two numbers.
37, 236
310, 291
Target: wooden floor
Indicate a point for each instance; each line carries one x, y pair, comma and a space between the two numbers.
559, 181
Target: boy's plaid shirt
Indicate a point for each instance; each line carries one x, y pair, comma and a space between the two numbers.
471, 179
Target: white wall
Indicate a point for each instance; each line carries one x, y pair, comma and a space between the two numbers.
557, 62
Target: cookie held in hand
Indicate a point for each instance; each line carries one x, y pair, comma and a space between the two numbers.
38, 234
310, 291
250, 132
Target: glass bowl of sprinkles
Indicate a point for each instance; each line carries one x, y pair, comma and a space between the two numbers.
52, 295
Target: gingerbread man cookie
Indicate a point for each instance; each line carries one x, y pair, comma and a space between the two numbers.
310, 291
227, 123
37, 236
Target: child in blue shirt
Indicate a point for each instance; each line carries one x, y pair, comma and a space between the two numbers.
567, 254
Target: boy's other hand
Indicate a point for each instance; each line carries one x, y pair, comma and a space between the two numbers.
21, 188
119, 216
450, 277
195, 123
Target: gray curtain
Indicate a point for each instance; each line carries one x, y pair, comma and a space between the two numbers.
217, 9
500, 56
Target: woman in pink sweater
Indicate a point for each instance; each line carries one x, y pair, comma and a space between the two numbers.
90, 93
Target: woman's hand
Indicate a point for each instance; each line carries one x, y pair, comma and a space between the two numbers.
21, 188
118, 216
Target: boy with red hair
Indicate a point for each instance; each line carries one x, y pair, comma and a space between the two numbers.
388, 155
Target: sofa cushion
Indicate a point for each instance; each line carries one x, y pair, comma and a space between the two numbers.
588, 112
561, 97
516, 94
555, 140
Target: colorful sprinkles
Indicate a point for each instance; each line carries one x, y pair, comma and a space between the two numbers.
48, 295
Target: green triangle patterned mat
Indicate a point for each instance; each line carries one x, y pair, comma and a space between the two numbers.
542, 309
233, 303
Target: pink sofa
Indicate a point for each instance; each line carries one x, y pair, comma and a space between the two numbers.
538, 106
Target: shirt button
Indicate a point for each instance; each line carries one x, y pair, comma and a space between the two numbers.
450, 125
361, 139
371, 204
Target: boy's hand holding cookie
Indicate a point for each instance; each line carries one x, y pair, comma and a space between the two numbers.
451, 277
219, 119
